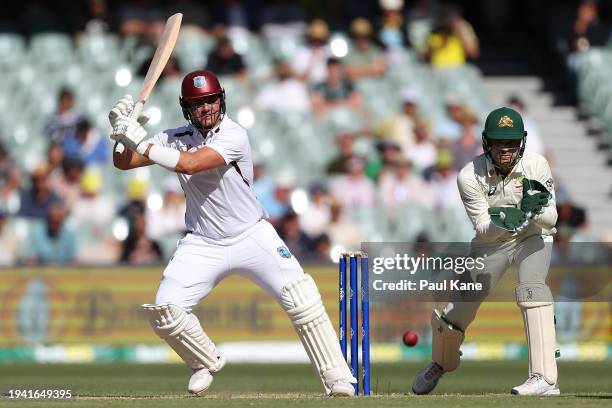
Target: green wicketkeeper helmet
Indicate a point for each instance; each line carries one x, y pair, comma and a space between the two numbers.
504, 124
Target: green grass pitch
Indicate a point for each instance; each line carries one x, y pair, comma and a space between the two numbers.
474, 384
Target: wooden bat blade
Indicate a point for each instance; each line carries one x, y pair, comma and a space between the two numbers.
161, 56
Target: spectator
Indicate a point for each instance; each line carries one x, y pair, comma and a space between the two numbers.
90, 201
63, 124
171, 71
389, 153
419, 20
400, 127
280, 204
9, 244
345, 142
534, 139
354, 189
336, 91
570, 216
89, 146
97, 19
295, 239
310, 61
365, 59
10, 177
468, 146
321, 246
136, 190
392, 33
285, 94
588, 31
341, 231
141, 19
423, 153
450, 127
38, 199
451, 41
55, 158
316, 217
444, 182
138, 249
402, 187
223, 60
169, 220
52, 241
67, 185
96, 244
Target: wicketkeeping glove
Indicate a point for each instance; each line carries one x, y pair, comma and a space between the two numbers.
124, 108
129, 132
535, 197
508, 218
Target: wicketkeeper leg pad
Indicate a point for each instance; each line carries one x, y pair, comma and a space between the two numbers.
446, 339
536, 303
183, 332
302, 302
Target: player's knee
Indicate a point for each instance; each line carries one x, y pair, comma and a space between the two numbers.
533, 294
173, 292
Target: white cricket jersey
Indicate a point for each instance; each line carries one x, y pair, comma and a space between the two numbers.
221, 203
481, 187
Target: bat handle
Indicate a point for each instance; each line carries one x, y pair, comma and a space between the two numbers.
137, 110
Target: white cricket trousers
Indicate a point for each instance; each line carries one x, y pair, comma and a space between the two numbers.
199, 264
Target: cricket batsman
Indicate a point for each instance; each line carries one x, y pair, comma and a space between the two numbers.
228, 234
509, 197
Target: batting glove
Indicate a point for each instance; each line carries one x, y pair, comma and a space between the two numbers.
509, 218
535, 197
129, 132
124, 108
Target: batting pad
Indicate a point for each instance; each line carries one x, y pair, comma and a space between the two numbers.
302, 302
445, 342
183, 332
536, 303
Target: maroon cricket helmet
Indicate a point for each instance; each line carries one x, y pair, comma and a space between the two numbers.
198, 85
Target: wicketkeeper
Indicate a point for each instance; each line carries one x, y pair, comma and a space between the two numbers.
228, 234
509, 197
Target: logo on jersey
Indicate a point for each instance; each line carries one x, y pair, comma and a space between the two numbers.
283, 251
199, 81
549, 184
505, 121
492, 190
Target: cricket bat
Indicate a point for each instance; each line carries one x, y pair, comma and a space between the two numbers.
160, 59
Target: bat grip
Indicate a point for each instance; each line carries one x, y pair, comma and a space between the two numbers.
137, 110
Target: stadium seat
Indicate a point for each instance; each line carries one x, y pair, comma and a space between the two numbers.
12, 51
51, 50
99, 50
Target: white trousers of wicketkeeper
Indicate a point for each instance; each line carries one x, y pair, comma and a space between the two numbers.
260, 255
532, 258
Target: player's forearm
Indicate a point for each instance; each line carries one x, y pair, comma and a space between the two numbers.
121, 160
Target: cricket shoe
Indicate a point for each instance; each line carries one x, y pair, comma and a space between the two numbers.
427, 379
342, 388
536, 385
200, 381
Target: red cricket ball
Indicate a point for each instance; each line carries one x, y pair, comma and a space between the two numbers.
410, 338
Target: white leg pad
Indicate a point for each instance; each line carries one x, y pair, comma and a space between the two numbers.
183, 332
536, 303
302, 302
445, 342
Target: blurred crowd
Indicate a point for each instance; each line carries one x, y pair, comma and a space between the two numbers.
69, 217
